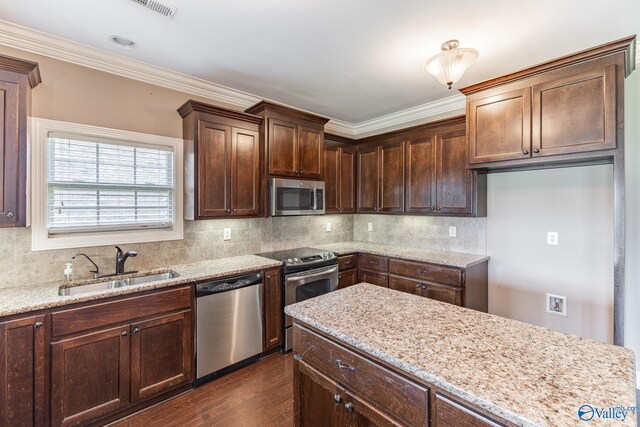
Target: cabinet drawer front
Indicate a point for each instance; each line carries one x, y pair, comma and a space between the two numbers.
403, 284
373, 383
347, 262
443, 294
120, 311
449, 413
373, 262
428, 272
374, 277
347, 278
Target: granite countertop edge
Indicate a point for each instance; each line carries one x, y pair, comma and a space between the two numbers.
415, 372
47, 296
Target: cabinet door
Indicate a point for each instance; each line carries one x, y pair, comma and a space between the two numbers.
282, 142
362, 414
214, 185
442, 293
347, 186
373, 277
10, 213
22, 372
454, 182
310, 143
368, 180
317, 400
421, 175
403, 284
273, 309
245, 172
331, 179
347, 278
576, 112
500, 127
392, 177
161, 354
449, 413
89, 376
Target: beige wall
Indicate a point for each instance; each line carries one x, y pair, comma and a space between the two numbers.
632, 193
578, 204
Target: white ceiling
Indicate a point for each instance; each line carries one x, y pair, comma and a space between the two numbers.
350, 60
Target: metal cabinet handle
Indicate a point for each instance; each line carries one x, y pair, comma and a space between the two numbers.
337, 398
339, 276
525, 151
268, 276
374, 262
343, 366
349, 407
439, 208
228, 210
348, 262
418, 286
235, 210
136, 330
37, 325
10, 214
124, 333
537, 150
424, 286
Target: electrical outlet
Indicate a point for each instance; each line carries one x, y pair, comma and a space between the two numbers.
453, 231
227, 234
557, 304
552, 238
370, 226
328, 226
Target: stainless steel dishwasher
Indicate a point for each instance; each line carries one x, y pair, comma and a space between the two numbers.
228, 325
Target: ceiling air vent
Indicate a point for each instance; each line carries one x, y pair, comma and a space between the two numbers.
156, 6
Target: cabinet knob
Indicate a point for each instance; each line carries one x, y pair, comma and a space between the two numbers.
124, 333
228, 210
37, 325
439, 208
337, 398
418, 286
349, 407
525, 151
339, 276
537, 150
136, 330
424, 286
10, 214
268, 276
235, 210
347, 262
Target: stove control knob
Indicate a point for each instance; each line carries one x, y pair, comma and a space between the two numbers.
296, 260
289, 261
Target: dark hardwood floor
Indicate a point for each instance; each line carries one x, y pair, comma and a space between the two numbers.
260, 394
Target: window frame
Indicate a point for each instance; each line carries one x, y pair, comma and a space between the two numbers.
41, 239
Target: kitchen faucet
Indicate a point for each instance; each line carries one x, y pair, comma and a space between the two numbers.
96, 272
121, 257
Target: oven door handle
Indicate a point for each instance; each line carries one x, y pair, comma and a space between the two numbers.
312, 275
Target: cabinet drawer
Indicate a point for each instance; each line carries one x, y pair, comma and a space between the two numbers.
347, 278
373, 262
429, 272
374, 277
373, 383
449, 413
403, 284
443, 293
347, 262
120, 311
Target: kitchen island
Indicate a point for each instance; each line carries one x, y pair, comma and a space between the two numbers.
370, 354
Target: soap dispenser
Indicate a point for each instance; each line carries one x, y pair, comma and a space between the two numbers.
68, 271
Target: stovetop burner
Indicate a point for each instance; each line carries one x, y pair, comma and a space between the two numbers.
300, 258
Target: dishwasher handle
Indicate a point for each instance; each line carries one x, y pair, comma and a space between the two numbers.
225, 285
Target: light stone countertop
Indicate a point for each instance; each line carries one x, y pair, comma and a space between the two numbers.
528, 375
453, 259
41, 296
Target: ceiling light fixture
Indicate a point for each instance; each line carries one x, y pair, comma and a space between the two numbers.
449, 65
122, 42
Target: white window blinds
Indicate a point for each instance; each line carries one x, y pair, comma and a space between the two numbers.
107, 185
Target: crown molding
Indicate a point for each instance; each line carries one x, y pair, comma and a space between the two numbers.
38, 42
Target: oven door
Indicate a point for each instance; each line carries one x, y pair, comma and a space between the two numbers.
296, 197
308, 284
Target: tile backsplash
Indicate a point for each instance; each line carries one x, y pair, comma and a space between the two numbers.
19, 266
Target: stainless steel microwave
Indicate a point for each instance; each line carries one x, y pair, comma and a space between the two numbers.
295, 197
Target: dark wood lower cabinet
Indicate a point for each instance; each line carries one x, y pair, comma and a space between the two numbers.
272, 308
347, 278
318, 401
22, 372
89, 376
449, 413
373, 277
160, 354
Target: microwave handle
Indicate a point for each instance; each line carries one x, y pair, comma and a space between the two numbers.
313, 196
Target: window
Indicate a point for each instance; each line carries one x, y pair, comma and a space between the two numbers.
95, 186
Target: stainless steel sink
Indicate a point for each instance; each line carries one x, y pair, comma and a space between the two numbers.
114, 283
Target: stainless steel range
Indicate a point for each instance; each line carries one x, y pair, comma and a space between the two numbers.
307, 273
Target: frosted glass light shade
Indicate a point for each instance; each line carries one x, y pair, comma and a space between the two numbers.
449, 65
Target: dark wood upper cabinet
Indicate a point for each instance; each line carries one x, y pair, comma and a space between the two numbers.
454, 183
17, 78
272, 309
161, 354
339, 175
420, 175
294, 141
563, 111
221, 162
391, 177
22, 372
368, 181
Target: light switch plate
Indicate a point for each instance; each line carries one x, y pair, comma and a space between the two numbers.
328, 226
453, 231
227, 234
557, 304
370, 226
552, 238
